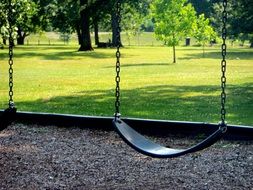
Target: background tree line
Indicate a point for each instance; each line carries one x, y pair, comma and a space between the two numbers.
85, 16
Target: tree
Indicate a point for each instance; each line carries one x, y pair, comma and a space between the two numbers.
3, 22
216, 17
173, 20
132, 19
89, 9
73, 16
65, 17
100, 16
85, 26
203, 32
140, 6
26, 17
243, 19
202, 7
240, 20
79, 16
25, 13
23, 16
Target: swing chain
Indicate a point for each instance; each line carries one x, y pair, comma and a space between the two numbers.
223, 124
11, 44
118, 55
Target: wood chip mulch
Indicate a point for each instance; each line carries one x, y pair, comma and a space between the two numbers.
37, 157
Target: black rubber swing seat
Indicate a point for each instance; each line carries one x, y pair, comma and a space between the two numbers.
150, 148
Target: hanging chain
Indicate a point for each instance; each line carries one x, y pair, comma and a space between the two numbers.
118, 55
11, 44
223, 124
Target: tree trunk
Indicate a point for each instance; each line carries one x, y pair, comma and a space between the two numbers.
203, 48
78, 31
251, 42
115, 25
4, 41
20, 37
174, 49
20, 40
96, 36
85, 28
174, 54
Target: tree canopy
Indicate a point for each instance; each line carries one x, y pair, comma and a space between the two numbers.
172, 20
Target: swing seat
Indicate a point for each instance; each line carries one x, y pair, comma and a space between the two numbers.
150, 148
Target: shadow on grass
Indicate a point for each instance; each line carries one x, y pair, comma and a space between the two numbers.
42, 48
64, 55
142, 65
190, 103
217, 55
47, 47
55, 53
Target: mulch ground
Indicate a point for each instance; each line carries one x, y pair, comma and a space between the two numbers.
37, 157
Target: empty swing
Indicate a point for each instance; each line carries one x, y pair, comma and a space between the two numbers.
148, 147
128, 134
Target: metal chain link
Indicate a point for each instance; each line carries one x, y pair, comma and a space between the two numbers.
11, 44
223, 124
118, 55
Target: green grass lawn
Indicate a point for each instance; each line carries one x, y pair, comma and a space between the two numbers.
61, 80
